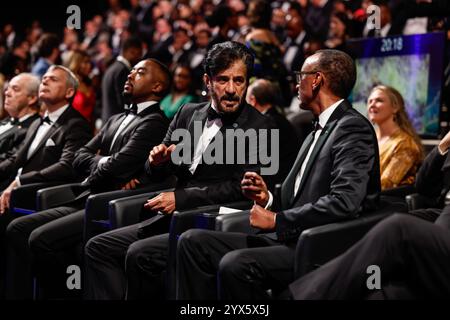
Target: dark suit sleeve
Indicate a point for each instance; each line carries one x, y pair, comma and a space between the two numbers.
87, 159
353, 154
165, 170
429, 180
125, 164
78, 133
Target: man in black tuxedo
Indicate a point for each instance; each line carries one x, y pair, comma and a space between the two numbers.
412, 254
47, 151
109, 161
21, 103
227, 70
336, 177
116, 76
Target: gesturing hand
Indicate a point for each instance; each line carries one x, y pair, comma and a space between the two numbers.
160, 154
164, 202
131, 185
254, 188
261, 218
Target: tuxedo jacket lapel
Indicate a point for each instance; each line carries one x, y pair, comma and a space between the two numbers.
9, 132
198, 117
111, 132
287, 189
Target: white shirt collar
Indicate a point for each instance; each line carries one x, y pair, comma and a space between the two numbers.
325, 115
25, 117
124, 61
214, 106
144, 105
54, 116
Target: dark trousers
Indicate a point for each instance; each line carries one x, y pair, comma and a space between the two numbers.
244, 266
43, 243
109, 256
408, 251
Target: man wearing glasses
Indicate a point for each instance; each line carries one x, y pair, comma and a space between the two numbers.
335, 177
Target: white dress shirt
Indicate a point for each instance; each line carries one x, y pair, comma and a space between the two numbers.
323, 119
41, 132
44, 127
209, 132
8, 125
140, 107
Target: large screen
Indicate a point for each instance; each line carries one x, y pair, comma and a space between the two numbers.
411, 64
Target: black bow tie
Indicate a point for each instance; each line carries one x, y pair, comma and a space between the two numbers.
213, 114
227, 118
13, 121
46, 120
316, 125
131, 109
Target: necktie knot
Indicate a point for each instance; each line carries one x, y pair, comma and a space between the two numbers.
316, 125
46, 120
14, 121
132, 109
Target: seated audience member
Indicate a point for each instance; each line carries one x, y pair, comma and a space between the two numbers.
335, 177
266, 48
264, 97
47, 151
21, 104
116, 75
412, 257
84, 101
181, 91
412, 254
48, 51
110, 160
129, 262
400, 147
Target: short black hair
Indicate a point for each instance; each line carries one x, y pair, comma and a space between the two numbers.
47, 43
222, 55
339, 69
132, 42
167, 77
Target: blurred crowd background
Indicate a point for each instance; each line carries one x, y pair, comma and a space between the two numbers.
281, 33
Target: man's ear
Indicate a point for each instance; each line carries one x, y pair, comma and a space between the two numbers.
318, 81
157, 88
32, 100
70, 93
207, 81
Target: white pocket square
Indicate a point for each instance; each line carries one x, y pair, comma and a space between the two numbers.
50, 143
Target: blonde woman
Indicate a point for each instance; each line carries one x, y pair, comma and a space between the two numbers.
400, 147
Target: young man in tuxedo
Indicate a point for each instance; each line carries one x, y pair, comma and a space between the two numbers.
228, 67
335, 177
108, 162
49, 147
21, 104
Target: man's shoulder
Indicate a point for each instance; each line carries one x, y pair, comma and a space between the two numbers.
188, 109
72, 117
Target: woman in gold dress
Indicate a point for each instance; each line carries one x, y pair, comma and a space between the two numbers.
401, 150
